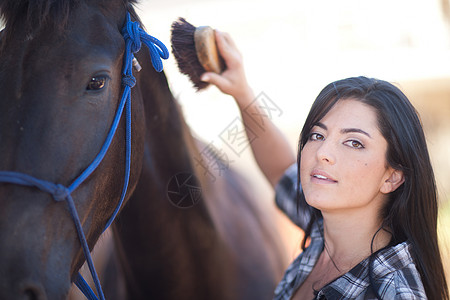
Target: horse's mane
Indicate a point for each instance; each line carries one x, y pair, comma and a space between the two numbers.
35, 13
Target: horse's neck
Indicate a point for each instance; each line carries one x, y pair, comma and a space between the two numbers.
164, 242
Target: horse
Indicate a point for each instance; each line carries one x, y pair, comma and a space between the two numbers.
60, 84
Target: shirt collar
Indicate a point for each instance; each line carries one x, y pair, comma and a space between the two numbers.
356, 280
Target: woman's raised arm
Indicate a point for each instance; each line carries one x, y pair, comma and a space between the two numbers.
270, 149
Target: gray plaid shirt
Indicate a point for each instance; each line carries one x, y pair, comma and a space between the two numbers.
394, 272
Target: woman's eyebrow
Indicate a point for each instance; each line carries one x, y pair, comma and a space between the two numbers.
321, 125
344, 130
357, 130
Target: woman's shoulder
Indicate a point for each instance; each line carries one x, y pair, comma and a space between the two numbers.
395, 274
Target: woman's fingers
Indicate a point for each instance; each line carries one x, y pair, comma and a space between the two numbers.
229, 40
218, 80
232, 80
227, 49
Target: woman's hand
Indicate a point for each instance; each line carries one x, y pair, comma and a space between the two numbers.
232, 81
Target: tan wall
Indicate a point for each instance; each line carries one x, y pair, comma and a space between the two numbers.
431, 97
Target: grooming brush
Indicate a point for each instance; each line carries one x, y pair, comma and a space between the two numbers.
195, 51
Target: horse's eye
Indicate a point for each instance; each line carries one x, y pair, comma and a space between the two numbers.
96, 83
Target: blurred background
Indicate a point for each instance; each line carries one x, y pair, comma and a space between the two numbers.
292, 49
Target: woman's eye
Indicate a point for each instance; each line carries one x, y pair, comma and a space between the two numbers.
354, 144
96, 83
316, 137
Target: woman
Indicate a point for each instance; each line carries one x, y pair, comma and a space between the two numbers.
367, 199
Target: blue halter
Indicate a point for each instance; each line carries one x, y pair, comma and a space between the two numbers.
133, 36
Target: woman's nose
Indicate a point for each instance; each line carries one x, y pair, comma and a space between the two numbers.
326, 152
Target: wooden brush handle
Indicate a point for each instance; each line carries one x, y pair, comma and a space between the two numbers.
206, 48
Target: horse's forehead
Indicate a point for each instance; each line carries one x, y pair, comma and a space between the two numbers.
91, 41
93, 29
88, 38
87, 31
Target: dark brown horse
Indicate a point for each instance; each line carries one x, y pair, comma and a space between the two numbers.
60, 84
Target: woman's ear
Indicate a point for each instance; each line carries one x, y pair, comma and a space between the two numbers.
394, 180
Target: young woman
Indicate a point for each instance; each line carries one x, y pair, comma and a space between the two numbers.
362, 189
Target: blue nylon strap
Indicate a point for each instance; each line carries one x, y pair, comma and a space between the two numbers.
98, 159
58, 191
85, 288
133, 36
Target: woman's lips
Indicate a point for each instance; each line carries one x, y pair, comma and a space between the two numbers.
320, 176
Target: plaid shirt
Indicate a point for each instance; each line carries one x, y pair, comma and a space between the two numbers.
394, 272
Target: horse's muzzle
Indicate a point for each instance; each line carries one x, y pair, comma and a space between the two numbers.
33, 264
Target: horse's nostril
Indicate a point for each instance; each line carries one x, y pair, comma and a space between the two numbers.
30, 294
33, 292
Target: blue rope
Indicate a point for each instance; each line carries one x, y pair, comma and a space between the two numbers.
85, 288
133, 36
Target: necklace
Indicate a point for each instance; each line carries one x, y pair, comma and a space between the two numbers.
328, 275
329, 255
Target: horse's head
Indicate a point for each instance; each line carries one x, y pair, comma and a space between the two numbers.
60, 86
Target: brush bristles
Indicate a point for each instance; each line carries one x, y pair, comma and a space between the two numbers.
183, 48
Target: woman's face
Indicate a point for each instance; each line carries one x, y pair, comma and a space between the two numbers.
343, 164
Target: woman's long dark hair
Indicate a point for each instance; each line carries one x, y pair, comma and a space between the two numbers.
411, 212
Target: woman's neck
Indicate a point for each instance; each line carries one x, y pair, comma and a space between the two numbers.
349, 239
